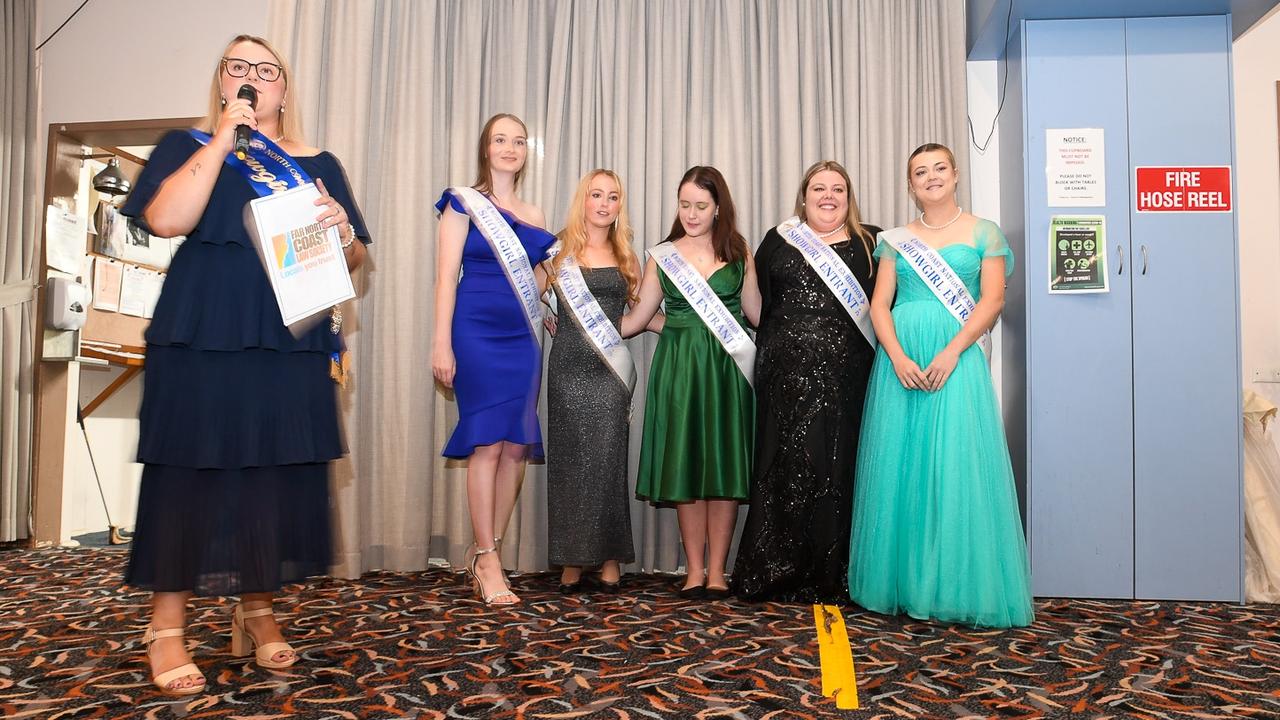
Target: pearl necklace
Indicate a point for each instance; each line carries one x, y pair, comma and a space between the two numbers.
943, 226
831, 232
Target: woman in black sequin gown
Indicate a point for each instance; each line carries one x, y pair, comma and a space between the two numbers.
812, 365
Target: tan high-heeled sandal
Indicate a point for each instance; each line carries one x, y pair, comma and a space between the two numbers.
163, 680
487, 597
243, 642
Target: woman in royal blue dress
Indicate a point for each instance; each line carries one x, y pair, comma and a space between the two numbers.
486, 345
239, 417
936, 531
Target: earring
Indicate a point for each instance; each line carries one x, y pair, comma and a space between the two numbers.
224, 101
282, 106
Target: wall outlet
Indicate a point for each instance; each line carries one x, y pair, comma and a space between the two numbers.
1267, 375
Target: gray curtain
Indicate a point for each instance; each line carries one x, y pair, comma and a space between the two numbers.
758, 88
19, 228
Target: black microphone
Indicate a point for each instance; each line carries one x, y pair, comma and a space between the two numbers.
244, 132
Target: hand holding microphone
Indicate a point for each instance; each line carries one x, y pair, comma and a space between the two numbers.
244, 132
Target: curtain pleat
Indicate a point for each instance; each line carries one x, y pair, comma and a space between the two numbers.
19, 230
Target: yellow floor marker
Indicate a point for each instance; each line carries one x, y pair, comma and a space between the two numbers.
838, 679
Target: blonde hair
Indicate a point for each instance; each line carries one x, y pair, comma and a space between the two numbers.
573, 238
852, 220
290, 122
484, 174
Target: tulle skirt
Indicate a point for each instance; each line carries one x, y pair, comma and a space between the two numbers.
936, 529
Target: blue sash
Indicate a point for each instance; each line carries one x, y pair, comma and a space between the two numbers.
268, 169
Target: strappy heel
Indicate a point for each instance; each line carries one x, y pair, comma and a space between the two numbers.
162, 680
488, 597
243, 642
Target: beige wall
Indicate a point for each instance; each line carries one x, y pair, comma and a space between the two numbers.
123, 61
1257, 69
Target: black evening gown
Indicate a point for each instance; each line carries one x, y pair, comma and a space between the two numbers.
812, 365
239, 418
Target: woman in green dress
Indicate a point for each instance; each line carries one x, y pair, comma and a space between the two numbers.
936, 530
699, 417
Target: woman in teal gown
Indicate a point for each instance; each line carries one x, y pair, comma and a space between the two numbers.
936, 530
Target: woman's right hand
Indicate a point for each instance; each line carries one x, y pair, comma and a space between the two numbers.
909, 374
237, 112
443, 365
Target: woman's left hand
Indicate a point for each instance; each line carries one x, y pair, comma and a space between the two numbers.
333, 213
940, 368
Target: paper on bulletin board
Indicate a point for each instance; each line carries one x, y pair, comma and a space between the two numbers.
139, 291
107, 275
65, 239
1075, 167
1078, 254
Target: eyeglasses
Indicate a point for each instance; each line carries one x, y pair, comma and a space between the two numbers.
266, 71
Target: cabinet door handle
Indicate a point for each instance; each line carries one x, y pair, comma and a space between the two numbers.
1144, 259
1120, 257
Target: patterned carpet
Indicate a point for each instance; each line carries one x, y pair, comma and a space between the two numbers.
420, 646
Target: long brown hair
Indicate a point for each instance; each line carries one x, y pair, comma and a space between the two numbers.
290, 117
727, 243
484, 177
853, 220
573, 238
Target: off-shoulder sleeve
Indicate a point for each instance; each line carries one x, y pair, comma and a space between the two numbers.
335, 181
447, 197
991, 243
170, 154
883, 248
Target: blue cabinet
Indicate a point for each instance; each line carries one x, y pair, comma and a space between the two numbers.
1130, 452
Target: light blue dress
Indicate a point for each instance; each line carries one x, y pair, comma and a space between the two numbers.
936, 529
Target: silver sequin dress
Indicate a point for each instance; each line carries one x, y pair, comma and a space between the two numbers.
588, 501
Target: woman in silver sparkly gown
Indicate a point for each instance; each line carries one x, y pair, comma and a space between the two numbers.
812, 365
588, 405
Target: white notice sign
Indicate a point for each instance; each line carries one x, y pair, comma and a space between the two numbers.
1075, 166
303, 260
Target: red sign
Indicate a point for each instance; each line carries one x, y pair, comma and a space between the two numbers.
1183, 189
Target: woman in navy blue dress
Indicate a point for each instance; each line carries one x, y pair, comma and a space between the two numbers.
484, 347
239, 418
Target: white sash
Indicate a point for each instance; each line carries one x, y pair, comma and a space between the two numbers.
704, 301
595, 324
510, 253
837, 276
938, 275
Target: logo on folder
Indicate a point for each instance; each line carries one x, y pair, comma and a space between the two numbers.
285, 255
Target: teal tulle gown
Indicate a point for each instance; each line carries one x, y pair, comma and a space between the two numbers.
936, 530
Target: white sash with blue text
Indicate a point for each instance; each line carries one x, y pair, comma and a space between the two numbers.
595, 324
507, 248
837, 276
704, 301
938, 276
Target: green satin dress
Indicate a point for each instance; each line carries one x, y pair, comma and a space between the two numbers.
699, 413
